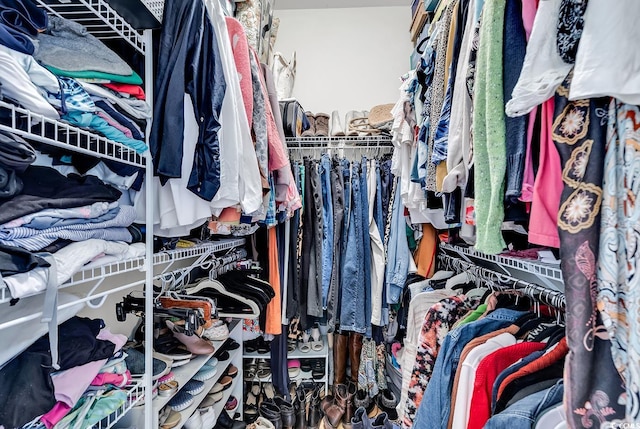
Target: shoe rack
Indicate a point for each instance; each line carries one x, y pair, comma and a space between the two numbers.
184, 373
322, 354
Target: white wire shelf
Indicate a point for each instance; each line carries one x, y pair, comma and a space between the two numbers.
162, 263
55, 133
99, 19
381, 140
525, 269
135, 393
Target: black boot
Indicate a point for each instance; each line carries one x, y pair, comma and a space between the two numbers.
270, 411
315, 413
287, 412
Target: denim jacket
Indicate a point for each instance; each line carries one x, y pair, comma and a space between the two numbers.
436, 403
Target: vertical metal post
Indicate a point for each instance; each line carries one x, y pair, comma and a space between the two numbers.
150, 417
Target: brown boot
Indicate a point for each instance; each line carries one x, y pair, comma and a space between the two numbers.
335, 410
340, 353
355, 348
311, 132
349, 409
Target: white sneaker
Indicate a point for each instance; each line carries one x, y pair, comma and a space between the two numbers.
194, 422
208, 417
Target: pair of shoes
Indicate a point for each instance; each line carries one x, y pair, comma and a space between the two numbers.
219, 331
293, 366
169, 418
250, 368
387, 402
257, 345
363, 400
317, 343
181, 401
205, 373
264, 368
251, 402
319, 125
224, 383
201, 418
379, 421
135, 364
193, 343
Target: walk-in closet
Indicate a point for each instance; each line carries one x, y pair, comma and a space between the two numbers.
337, 214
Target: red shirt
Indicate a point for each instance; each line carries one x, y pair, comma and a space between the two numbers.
487, 373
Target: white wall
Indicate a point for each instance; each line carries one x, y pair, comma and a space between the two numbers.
348, 58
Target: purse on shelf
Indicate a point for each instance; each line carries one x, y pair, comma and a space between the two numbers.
284, 74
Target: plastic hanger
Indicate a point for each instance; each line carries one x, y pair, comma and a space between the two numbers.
219, 287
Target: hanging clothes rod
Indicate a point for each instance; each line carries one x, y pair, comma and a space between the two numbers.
503, 283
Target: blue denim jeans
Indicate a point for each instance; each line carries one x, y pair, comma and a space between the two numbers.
398, 253
435, 407
366, 245
523, 414
352, 310
327, 226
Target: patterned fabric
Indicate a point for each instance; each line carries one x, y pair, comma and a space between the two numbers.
618, 281
441, 140
367, 371
437, 323
248, 13
72, 97
438, 91
579, 134
570, 25
259, 120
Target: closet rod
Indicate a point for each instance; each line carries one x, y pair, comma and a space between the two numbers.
502, 283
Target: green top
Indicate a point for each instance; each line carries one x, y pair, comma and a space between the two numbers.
133, 79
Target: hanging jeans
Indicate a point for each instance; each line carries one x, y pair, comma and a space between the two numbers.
353, 314
337, 195
346, 180
327, 226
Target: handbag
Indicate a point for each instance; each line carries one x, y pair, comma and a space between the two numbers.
284, 75
294, 120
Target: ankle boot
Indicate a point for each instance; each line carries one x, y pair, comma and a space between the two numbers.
335, 409
328, 399
340, 352
311, 132
287, 413
315, 413
360, 419
355, 348
381, 422
270, 411
300, 408
349, 408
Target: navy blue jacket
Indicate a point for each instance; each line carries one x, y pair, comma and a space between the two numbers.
189, 62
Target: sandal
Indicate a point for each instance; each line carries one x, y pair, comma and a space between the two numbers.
317, 371
305, 345
316, 344
264, 347
264, 369
268, 390
291, 345
250, 369
251, 403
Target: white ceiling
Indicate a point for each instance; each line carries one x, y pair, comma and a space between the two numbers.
325, 4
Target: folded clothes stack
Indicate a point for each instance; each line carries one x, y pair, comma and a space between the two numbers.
88, 386
55, 68
76, 218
